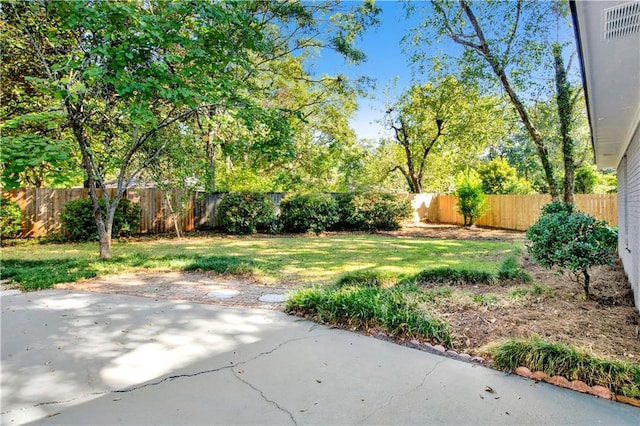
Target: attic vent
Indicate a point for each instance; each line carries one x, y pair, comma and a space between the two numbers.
622, 20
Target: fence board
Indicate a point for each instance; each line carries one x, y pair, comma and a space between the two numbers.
519, 212
42, 208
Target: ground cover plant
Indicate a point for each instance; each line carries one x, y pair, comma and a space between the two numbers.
361, 305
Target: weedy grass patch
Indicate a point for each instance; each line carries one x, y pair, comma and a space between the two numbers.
536, 290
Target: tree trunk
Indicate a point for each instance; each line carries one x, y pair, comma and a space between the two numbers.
105, 242
585, 284
565, 112
499, 71
104, 229
174, 215
412, 177
211, 151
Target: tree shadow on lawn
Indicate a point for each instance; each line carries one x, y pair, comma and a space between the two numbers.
40, 274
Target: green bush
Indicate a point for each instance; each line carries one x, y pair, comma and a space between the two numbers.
557, 207
78, 223
308, 213
372, 211
472, 202
586, 178
10, 219
570, 240
245, 212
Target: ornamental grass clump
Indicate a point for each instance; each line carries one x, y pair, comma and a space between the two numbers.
556, 359
364, 306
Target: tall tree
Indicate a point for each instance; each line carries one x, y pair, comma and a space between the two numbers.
566, 102
37, 145
295, 32
447, 113
504, 36
134, 69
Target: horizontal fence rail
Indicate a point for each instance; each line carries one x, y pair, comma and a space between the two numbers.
42, 208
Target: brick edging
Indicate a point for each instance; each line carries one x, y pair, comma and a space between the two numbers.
576, 385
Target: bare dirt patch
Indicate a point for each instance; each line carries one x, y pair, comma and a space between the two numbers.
207, 288
607, 325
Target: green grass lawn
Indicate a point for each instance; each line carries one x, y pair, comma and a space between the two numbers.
297, 260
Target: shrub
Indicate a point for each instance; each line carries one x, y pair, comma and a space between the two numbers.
472, 202
561, 360
586, 178
498, 177
308, 213
371, 211
557, 207
10, 219
78, 223
245, 212
570, 240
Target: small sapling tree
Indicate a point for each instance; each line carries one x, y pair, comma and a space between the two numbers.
570, 240
472, 202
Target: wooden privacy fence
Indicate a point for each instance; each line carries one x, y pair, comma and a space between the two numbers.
516, 212
42, 208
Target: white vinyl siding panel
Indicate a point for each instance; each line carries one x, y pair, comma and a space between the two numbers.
629, 214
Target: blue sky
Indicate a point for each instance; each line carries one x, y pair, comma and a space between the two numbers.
385, 63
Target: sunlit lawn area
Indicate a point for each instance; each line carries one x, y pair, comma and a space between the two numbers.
295, 260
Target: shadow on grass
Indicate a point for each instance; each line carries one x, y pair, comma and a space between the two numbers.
41, 274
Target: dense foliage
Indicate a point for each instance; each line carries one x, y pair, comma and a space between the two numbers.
308, 213
245, 212
371, 211
472, 202
122, 79
10, 219
499, 177
571, 240
78, 222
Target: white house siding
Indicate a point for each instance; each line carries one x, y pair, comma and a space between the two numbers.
629, 214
